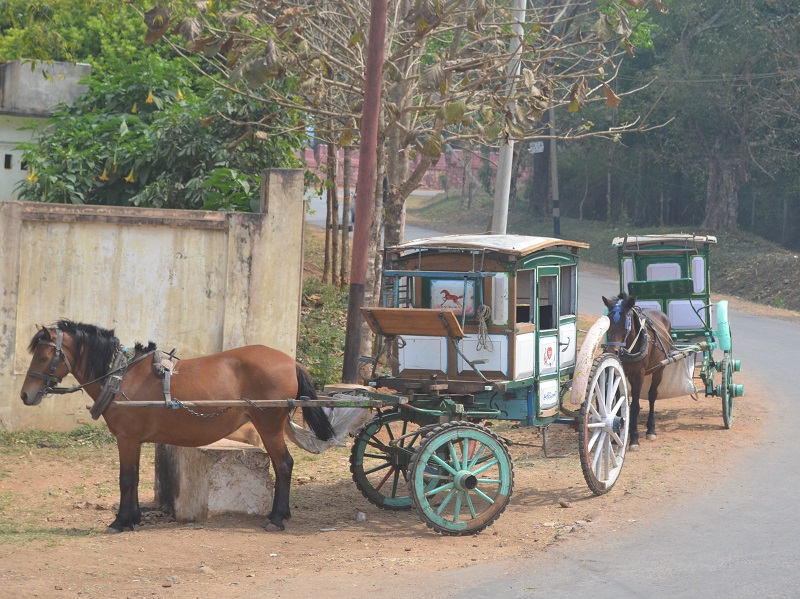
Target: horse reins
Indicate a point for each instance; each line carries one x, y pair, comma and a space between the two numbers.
644, 323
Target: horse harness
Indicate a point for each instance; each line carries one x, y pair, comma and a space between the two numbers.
163, 366
646, 326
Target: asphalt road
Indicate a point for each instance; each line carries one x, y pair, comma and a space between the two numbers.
738, 539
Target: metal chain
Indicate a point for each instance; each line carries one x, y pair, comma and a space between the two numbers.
201, 414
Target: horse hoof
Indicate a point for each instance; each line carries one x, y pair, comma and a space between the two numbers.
651, 436
633, 447
112, 531
272, 527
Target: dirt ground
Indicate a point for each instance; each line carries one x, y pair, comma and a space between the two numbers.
55, 505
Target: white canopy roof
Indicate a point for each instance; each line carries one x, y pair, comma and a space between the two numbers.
519, 245
668, 239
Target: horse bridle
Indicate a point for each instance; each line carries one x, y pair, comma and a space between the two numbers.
50, 378
616, 315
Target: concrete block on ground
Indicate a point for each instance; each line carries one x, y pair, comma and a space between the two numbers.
197, 483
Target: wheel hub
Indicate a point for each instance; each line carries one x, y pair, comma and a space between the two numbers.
465, 480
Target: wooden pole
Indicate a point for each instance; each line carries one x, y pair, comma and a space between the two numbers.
365, 188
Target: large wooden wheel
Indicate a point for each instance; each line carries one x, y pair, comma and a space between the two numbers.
460, 478
379, 460
603, 424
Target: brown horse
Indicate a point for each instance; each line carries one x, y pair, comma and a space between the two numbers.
642, 340
254, 372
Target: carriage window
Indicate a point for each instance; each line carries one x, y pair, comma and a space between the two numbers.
399, 292
548, 295
569, 290
524, 289
699, 274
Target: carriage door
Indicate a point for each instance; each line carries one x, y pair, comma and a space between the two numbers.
547, 336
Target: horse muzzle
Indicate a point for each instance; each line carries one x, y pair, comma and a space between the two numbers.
32, 399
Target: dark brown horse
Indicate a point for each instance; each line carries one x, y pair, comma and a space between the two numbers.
254, 372
641, 337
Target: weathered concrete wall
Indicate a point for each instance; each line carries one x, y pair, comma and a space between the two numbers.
200, 282
28, 89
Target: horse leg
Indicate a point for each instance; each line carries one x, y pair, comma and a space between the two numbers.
282, 464
636, 389
129, 513
652, 394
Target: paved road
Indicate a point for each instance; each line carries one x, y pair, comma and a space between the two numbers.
739, 539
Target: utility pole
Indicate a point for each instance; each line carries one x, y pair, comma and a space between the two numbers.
506, 156
365, 187
554, 176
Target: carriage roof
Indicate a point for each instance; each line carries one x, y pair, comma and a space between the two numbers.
517, 245
671, 240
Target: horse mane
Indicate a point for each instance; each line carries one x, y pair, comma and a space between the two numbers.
97, 344
140, 348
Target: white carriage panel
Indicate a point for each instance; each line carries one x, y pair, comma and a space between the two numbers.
649, 305
423, 352
495, 352
663, 271
699, 274
548, 394
568, 337
500, 299
627, 273
548, 354
524, 352
682, 314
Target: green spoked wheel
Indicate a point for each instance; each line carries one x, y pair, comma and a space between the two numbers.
379, 460
726, 391
603, 424
460, 478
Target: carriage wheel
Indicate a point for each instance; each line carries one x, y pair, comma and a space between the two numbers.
603, 424
380, 467
460, 478
727, 390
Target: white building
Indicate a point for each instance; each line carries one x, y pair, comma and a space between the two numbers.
28, 94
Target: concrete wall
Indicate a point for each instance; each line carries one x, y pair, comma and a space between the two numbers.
27, 97
200, 282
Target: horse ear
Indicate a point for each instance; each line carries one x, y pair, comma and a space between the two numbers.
609, 304
38, 327
630, 303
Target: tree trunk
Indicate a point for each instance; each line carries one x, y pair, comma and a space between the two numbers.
722, 190
609, 196
333, 208
347, 222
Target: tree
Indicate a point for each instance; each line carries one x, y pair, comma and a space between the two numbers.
142, 136
445, 72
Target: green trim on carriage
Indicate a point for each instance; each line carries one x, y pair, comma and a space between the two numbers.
723, 326
669, 287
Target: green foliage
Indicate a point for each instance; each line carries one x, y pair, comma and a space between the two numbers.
84, 435
93, 31
323, 323
142, 136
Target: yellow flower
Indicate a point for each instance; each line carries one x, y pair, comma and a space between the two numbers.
130, 178
180, 95
104, 176
32, 178
149, 97
135, 108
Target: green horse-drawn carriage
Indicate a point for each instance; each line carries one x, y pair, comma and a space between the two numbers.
481, 327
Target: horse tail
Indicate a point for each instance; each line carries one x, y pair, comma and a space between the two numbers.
314, 416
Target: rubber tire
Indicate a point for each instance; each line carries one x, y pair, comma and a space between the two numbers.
375, 435
439, 461
726, 390
596, 428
